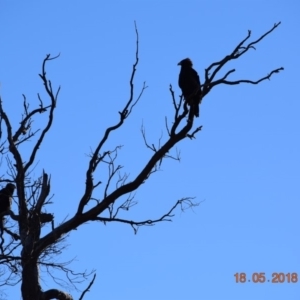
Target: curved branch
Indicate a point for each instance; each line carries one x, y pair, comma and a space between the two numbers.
23, 127
53, 98
88, 287
184, 203
56, 294
14, 235
91, 214
12, 146
250, 46
20, 176
94, 161
177, 133
238, 51
246, 80
45, 190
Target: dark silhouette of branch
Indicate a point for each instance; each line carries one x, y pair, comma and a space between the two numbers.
26, 123
12, 146
184, 204
237, 52
88, 287
45, 190
154, 149
174, 138
112, 169
126, 205
56, 294
38, 248
222, 80
53, 97
46, 218
14, 235
123, 115
111, 198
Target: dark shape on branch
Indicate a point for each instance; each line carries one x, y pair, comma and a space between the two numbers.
46, 218
6, 200
190, 85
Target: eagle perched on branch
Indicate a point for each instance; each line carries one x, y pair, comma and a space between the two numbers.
6, 199
190, 85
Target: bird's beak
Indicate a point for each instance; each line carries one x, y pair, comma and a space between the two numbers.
179, 64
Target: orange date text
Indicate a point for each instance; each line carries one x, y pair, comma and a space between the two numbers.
262, 278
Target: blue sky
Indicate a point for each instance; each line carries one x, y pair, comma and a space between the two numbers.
243, 167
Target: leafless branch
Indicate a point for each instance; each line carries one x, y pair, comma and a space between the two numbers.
88, 287
126, 205
123, 115
112, 169
184, 203
222, 80
238, 51
56, 294
38, 248
192, 135
26, 122
11, 143
14, 235
45, 189
53, 97
143, 131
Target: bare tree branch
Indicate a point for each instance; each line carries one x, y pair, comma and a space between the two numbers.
88, 288
22, 253
24, 126
53, 98
44, 193
184, 203
222, 80
123, 115
56, 294
237, 52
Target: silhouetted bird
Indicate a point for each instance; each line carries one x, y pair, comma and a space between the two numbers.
6, 199
190, 85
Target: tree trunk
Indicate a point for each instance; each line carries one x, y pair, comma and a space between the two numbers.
31, 289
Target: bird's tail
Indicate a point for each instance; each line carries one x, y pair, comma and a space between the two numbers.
194, 109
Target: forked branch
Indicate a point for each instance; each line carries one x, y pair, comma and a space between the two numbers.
184, 204
238, 51
53, 98
94, 161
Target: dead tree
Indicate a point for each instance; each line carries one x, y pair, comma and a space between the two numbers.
25, 250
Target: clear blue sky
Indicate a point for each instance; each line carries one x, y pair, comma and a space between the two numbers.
244, 164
